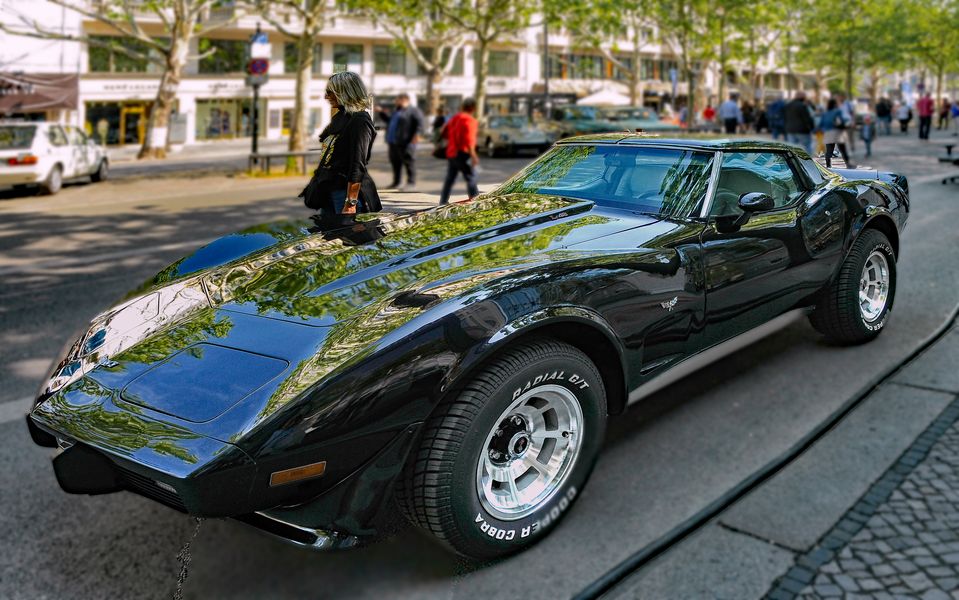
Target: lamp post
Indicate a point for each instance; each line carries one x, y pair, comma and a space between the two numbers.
257, 69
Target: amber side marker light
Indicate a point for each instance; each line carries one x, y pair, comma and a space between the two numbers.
298, 473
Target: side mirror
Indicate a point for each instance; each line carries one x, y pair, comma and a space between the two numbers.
756, 202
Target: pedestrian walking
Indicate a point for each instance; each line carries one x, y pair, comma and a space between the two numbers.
402, 135
833, 126
954, 112
849, 116
709, 115
748, 116
867, 133
798, 122
439, 120
730, 115
884, 116
925, 107
904, 115
341, 184
944, 108
461, 154
776, 116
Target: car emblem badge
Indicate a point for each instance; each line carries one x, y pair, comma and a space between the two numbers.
670, 304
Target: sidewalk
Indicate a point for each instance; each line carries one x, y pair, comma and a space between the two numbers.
901, 539
871, 510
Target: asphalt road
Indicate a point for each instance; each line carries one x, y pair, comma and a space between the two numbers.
63, 259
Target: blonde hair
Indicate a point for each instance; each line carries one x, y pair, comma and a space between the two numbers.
349, 90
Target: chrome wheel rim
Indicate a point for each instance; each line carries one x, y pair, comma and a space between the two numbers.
874, 286
530, 452
55, 179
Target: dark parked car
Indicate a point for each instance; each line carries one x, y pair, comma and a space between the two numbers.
568, 121
510, 134
462, 361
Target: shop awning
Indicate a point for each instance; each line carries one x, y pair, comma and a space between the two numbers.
37, 92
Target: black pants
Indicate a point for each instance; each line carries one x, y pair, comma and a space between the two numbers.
943, 121
904, 125
401, 156
842, 150
925, 123
730, 125
455, 166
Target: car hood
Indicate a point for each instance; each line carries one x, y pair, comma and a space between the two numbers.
329, 294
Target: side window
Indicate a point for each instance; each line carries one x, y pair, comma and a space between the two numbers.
812, 171
76, 137
56, 136
745, 172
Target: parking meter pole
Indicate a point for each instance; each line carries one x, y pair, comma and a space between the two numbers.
256, 114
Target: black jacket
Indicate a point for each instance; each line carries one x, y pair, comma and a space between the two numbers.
410, 124
345, 147
797, 117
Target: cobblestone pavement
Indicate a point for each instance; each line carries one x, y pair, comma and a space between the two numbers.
901, 540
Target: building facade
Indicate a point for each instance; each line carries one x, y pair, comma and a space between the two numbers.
115, 93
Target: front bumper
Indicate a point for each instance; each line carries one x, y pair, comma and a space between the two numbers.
209, 478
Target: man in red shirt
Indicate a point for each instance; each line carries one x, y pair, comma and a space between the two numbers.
461, 154
926, 107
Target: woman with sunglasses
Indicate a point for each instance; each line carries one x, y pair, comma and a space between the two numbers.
341, 184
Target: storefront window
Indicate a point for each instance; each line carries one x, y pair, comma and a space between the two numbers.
110, 60
117, 122
457, 68
389, 60
229, 57
503, 63
290, 58
348, 57
227, 118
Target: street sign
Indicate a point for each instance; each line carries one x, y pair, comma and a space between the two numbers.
258, 66
257, 80
259, 45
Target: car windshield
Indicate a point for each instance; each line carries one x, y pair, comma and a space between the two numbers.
659, 181
511, 121
16, 137
633, 113
578, 112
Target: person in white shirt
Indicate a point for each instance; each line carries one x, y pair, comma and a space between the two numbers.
730, 114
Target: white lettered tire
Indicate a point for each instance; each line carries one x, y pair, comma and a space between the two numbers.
502, 460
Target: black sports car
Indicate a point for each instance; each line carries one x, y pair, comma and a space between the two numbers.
462, 361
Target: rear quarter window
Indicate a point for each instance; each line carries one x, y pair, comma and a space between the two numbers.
17, 137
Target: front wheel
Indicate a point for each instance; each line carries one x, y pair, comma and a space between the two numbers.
502, 461
103, 170
490, 148
855, 307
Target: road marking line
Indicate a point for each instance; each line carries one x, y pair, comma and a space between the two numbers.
15, 409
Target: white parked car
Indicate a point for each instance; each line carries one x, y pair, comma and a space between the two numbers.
47, 154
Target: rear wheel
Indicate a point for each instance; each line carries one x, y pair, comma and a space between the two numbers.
54, 181
856, 306
103, 170
502, 461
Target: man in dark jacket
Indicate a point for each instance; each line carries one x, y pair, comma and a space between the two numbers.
403, 130
798, 122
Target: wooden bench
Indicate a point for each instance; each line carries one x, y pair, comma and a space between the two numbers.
264, 160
